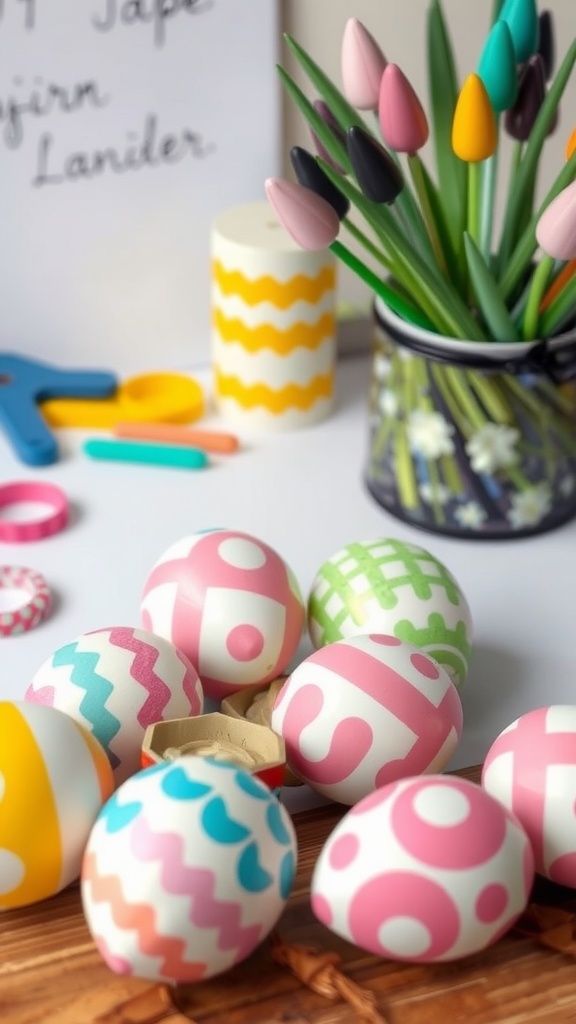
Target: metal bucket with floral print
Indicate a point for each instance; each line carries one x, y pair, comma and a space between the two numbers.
472, 439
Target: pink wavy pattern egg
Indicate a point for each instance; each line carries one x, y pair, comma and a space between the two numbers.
424, 870
363, 712
531, 769
230, 603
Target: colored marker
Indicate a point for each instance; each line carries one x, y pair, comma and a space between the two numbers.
207, 440
153, 454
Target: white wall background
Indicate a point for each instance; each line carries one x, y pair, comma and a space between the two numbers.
399, 27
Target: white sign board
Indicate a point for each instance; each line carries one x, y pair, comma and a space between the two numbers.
125, 126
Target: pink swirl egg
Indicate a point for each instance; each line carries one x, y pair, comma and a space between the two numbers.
230, 603
531, 768
363, 712
424, 870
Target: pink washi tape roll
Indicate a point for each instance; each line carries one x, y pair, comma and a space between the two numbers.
44, 525
32, 612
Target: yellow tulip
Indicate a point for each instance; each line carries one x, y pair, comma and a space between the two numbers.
474, 131
571, 145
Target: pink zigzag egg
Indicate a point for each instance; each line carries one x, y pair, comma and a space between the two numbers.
309, 219
186, 870
115, 682
556, 228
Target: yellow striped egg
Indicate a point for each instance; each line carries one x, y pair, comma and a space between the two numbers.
54, 778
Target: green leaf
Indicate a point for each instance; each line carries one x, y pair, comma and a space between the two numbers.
560, 311
345, 114
488, 295
520, 259
329, 140
443, 90
454, 266
520, 194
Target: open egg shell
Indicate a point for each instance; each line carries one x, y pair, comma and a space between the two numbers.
116, 682
54, 778
391, 586
231, 603
531, 768
362, 712
186, 870
425, 870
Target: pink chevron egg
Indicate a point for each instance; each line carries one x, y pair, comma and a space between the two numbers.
116, 682
531, 768
363, 712
231, 603
54, 778
424, 870
186, 871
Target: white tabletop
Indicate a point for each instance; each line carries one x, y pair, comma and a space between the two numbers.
302, 492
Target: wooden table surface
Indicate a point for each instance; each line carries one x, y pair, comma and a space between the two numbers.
51, 972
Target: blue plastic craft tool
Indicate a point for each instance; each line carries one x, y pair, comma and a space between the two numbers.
25, 382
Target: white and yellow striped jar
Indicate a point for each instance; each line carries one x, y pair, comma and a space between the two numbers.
273, 322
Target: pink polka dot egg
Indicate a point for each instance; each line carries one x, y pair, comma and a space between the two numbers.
531, 768
115, 682
231, 603
362, 712
425, 870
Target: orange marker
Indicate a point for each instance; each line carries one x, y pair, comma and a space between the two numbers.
208, 440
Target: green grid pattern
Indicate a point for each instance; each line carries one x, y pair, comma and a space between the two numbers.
370, 567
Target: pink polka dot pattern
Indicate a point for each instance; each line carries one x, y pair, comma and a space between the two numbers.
531, 769
455, 847
391, 893
362, 712
230, 603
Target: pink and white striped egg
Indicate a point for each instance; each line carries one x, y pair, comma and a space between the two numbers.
116, 682
424, 870
531, 768
187, 869
362, 712
231, 603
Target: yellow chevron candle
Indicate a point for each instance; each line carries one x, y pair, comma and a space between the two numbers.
273, 322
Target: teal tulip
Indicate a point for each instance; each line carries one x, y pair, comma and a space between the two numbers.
521, 16
497, 67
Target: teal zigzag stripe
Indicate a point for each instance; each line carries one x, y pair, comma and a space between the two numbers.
93, 705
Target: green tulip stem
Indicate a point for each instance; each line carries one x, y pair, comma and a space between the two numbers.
474, 181
489, 179
370, 247
395, 302
538, 285
417, 174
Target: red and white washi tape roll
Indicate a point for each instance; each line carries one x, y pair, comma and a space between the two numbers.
32, 612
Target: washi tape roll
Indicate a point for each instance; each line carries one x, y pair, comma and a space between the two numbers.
273, 322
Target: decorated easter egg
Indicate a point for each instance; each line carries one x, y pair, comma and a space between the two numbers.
390, 586
186, 870
54, 778
231, 603
425, 870
116, 682
363, 712
531, 768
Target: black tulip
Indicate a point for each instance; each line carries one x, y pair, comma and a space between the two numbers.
311, 175
546, 43
519, 119
377, 174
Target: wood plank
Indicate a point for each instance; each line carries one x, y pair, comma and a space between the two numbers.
51, 972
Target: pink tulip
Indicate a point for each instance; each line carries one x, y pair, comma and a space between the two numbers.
309, 219
556, 228
402, 119
362, 63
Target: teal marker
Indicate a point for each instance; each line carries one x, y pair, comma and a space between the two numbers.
152, 454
